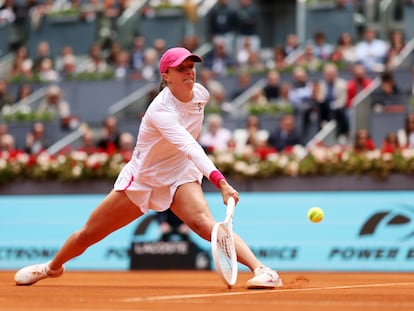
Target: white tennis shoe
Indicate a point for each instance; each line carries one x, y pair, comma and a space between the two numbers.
31, 274
264, 277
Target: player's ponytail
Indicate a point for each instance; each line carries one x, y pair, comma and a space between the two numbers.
163, 84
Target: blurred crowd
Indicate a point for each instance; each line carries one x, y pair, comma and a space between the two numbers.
302, 102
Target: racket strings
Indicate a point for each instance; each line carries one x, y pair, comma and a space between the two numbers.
224, 247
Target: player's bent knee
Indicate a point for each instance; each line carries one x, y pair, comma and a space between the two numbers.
202, 224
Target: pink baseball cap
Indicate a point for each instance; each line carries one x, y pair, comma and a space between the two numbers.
175, 56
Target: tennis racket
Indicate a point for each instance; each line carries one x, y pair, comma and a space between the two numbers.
223, 247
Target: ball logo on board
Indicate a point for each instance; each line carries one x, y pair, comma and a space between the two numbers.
396, 223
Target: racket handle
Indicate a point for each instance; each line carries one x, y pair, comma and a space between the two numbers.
231, 203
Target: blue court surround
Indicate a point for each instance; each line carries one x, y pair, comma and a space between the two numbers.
362, 231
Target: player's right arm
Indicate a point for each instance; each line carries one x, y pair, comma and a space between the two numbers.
167, 123
227, 191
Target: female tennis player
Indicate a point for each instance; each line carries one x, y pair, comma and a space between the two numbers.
165, 171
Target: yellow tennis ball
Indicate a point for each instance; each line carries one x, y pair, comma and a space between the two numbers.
315, 214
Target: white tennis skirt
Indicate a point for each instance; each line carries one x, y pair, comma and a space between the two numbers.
148, 196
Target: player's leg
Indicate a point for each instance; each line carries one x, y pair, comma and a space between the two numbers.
191, 206
114, 212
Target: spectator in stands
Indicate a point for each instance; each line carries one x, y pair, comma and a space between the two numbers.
109, 138
206, 78
160, 45
255, 62
386, 97
121, 66
112, 10
363, 141
283, 101
54, 103
69, 65
24, 91
263, 150
66, 63
278, 60
46, 71
244, 82
390, 143
321, 106
321, 48
20, 69
23, 54
218, 102
7, 15
291, 44
7, 143
247, 25
96, 62
126, 145
251, 137
345, 50
6, 98
137, 54
74, 4
4, 129
397, 44
308, 59
371, 51
149, 70
406, 134
90, 10
88, 143
357, 83
22, 65
36, 140
42, 53
285, 135
219, 60
222, 23
38, 11
114, 50
21, 11
257, 101
272, 88
243, 52
216, 89
333, 96
215, 137
191, 42
300, 94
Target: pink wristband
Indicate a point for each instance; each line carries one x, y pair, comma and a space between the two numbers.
215, 177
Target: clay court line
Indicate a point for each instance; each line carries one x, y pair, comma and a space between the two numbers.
256, 292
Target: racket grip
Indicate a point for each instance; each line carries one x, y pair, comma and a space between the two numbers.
231, 203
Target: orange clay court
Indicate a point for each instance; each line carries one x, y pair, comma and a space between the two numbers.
201, 290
